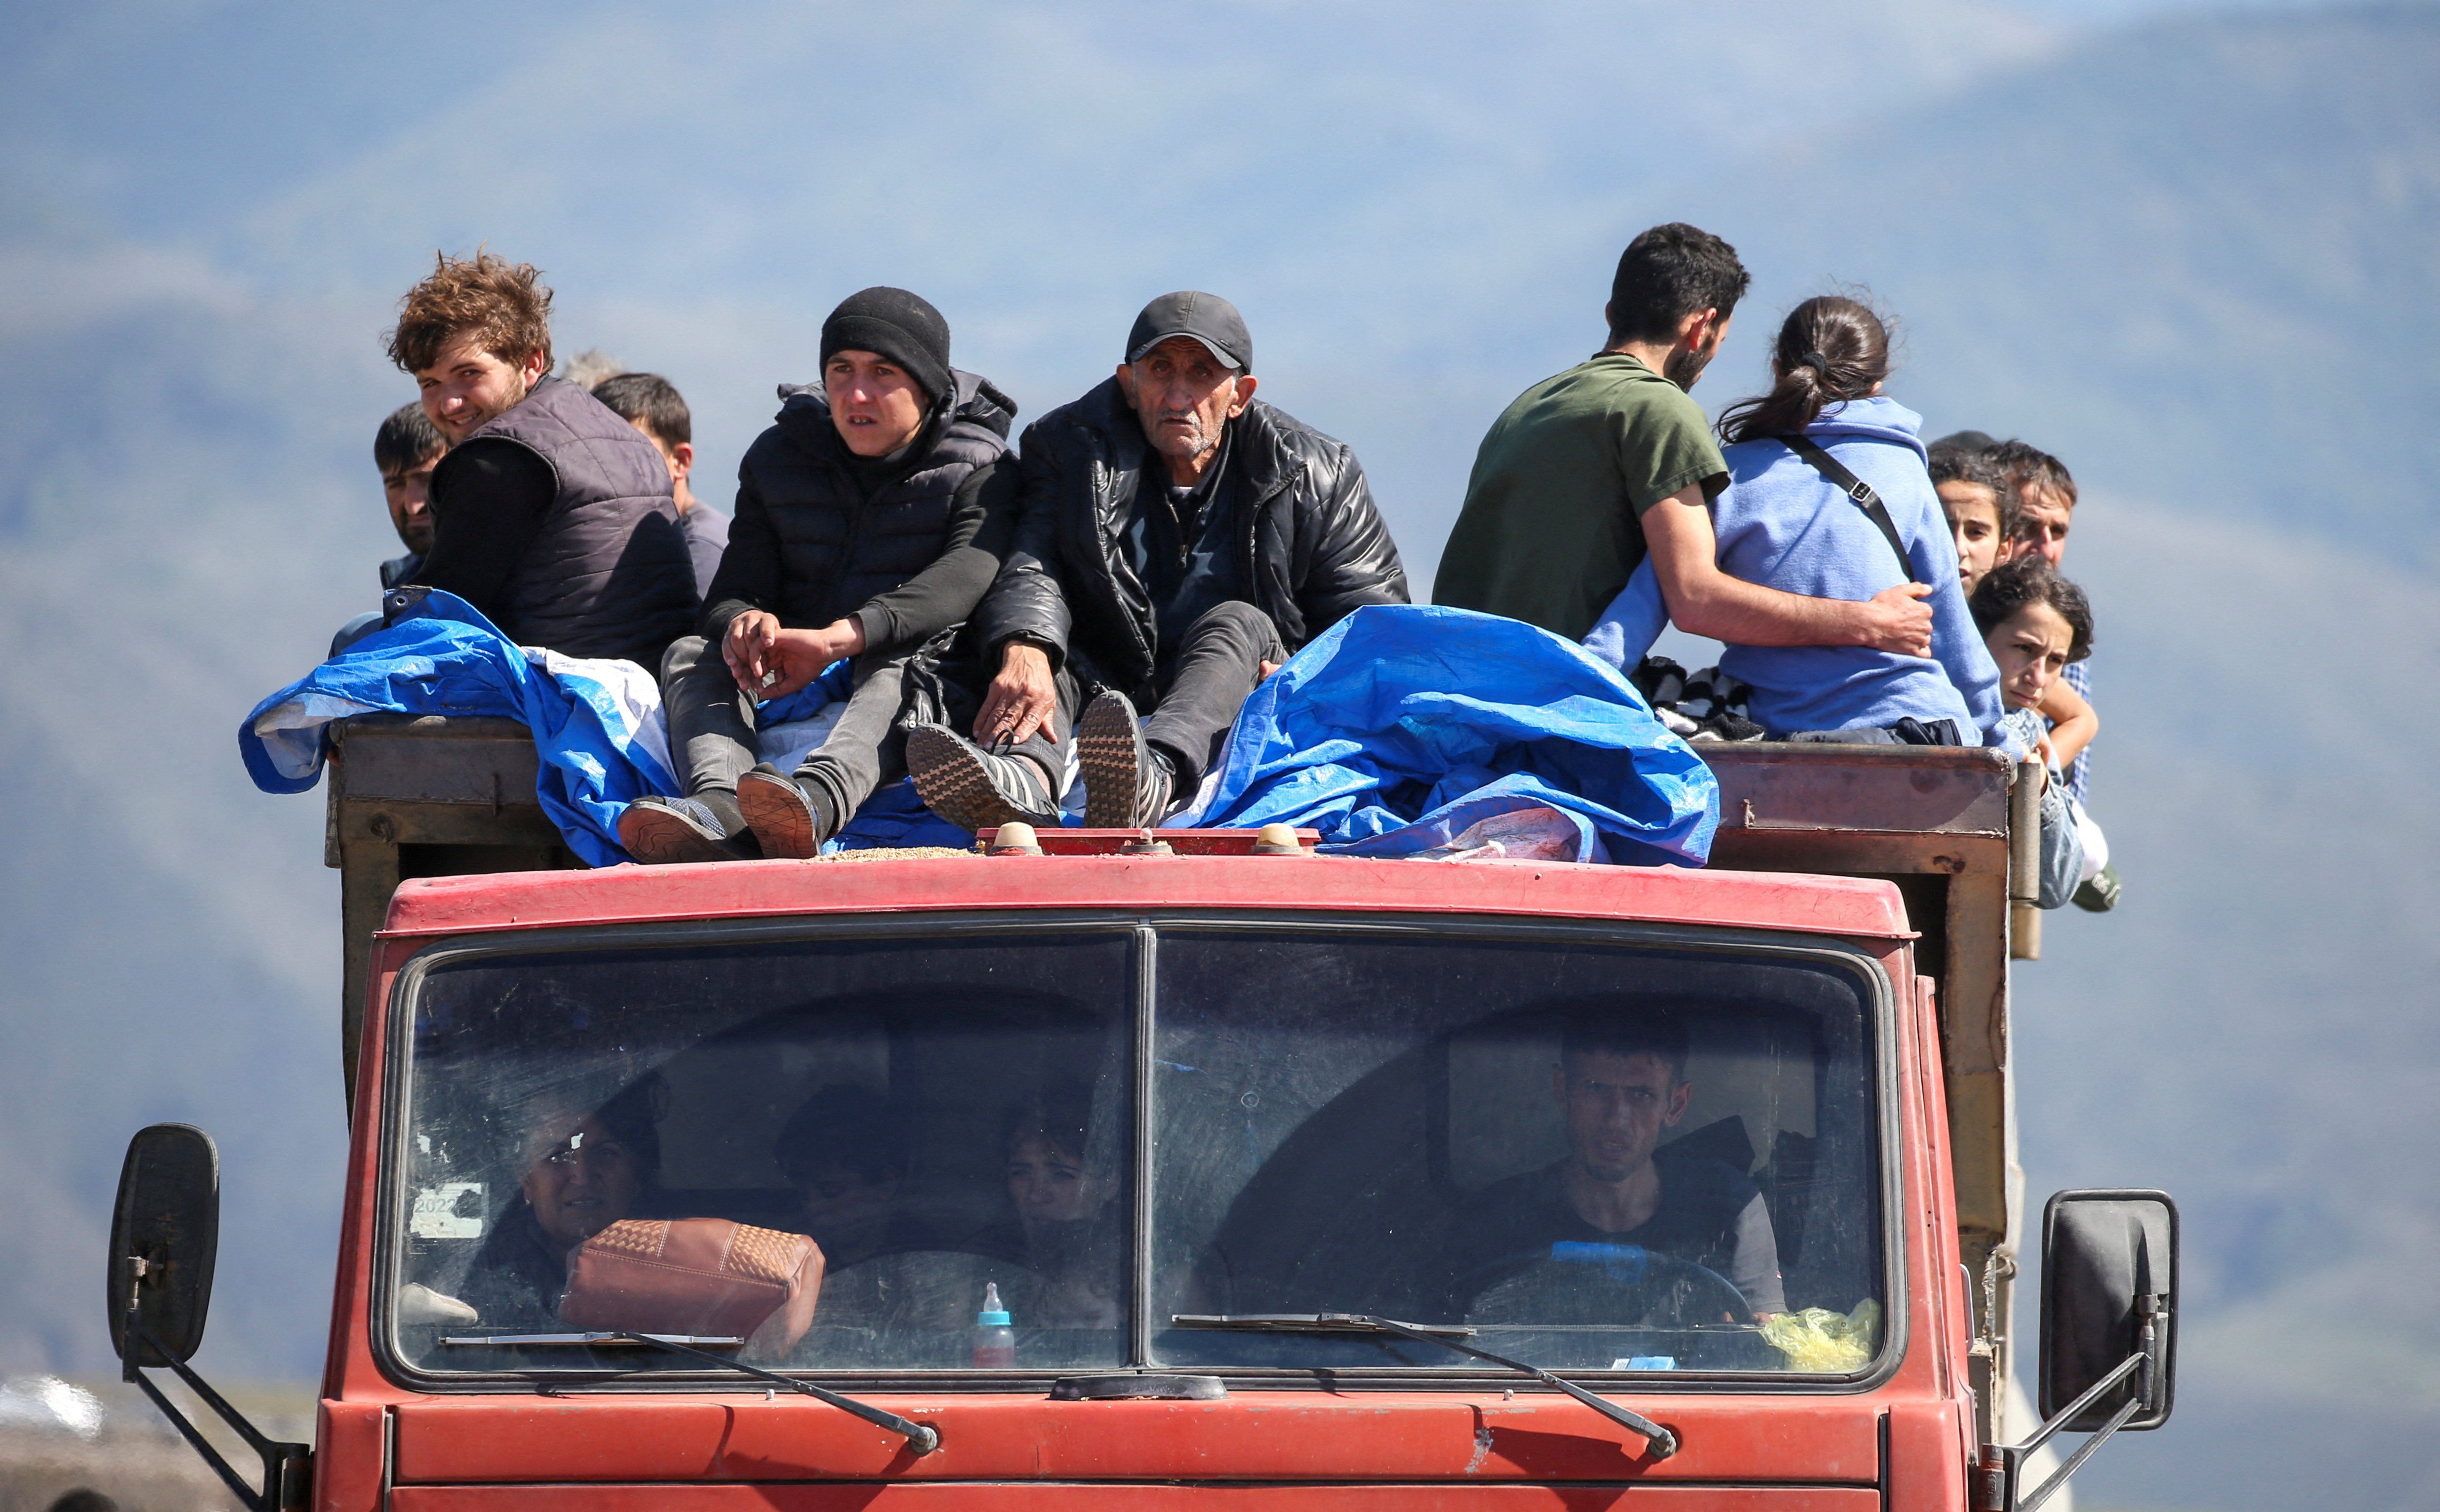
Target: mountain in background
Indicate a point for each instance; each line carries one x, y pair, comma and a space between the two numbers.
2198, 257
2208, 252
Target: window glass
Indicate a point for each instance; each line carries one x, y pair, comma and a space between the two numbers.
641, 1139
1597, 1156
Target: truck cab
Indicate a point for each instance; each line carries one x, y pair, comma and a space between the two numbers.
1191, 1168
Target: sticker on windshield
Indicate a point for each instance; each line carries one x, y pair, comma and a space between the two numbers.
453, 1210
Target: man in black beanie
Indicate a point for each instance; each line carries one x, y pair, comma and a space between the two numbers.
1181, 539
871, 518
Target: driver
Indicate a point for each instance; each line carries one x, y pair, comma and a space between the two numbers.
1620, 1084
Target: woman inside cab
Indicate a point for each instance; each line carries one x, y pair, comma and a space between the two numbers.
584, 1171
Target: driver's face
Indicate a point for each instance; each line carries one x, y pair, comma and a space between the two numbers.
1616, 1107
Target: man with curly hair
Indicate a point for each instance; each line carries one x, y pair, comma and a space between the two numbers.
550, 514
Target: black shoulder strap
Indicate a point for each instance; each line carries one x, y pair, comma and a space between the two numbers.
1855, 489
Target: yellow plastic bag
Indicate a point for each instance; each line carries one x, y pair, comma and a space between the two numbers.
1821, 1341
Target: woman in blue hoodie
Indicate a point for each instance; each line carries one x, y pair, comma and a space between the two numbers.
1806, 461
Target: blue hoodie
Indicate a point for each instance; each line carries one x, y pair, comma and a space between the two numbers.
1784, 526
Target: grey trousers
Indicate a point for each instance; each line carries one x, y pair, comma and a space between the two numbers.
712, 724
1219, 660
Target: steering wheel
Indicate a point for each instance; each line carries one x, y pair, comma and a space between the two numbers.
1605, 1286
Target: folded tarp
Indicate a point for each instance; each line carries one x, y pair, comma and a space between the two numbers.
1409, 730
598, 727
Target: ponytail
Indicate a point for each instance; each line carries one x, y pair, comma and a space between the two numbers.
1830, 349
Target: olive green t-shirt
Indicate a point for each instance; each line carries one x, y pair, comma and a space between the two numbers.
1552, 530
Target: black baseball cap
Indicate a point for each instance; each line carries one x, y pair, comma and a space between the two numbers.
1207, 318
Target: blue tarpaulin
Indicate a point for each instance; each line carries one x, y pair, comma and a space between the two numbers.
1400, 730
1406, 730
597, 724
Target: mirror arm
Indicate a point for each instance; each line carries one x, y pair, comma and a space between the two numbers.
1997, 1472
247, 1496
283, 1465
2083, 1453
2092, 1394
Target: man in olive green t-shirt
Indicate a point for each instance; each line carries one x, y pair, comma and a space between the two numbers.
1588, 471
1550, 532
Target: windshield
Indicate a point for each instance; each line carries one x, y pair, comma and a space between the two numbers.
631, 1140
925, 1152
1598, 1157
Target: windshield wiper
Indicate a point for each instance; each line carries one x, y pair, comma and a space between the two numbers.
1660, 1440
922, 1438
597, 1341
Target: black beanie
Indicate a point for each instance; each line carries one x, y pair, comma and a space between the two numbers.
899, 326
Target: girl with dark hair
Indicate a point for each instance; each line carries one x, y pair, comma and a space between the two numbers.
2037, 624
1062, 1222
1828, 497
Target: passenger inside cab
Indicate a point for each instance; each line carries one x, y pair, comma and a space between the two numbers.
584, 1171
1063, 1229
845, 1153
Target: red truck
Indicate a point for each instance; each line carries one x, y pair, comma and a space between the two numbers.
1182, 1169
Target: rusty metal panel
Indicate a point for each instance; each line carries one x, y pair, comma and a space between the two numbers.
1916, 789
1878, 853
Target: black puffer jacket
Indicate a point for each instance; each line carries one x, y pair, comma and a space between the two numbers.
1312, 545
909, 561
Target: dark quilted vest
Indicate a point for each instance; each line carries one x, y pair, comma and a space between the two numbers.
839, 549
609, 574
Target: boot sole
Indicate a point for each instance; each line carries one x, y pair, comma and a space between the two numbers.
779, 815
954, 783
659, 837
1109, 749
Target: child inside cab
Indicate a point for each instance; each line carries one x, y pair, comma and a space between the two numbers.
2035, 623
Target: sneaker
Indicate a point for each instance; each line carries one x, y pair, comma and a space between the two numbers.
674, 831
787, 817
970, 787
1126, 782
2100, 895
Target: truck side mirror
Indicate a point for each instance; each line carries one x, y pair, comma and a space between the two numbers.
164, 1234
2110, 1286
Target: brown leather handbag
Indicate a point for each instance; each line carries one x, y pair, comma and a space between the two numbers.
695, 1275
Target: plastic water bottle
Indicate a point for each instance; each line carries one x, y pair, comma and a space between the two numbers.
995, 1341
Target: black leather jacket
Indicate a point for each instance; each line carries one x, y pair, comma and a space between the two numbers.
1313, 547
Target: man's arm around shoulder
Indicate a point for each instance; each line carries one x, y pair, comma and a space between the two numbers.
1703, 600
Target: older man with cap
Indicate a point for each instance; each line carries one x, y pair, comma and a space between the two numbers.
871, 518
1179, 538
